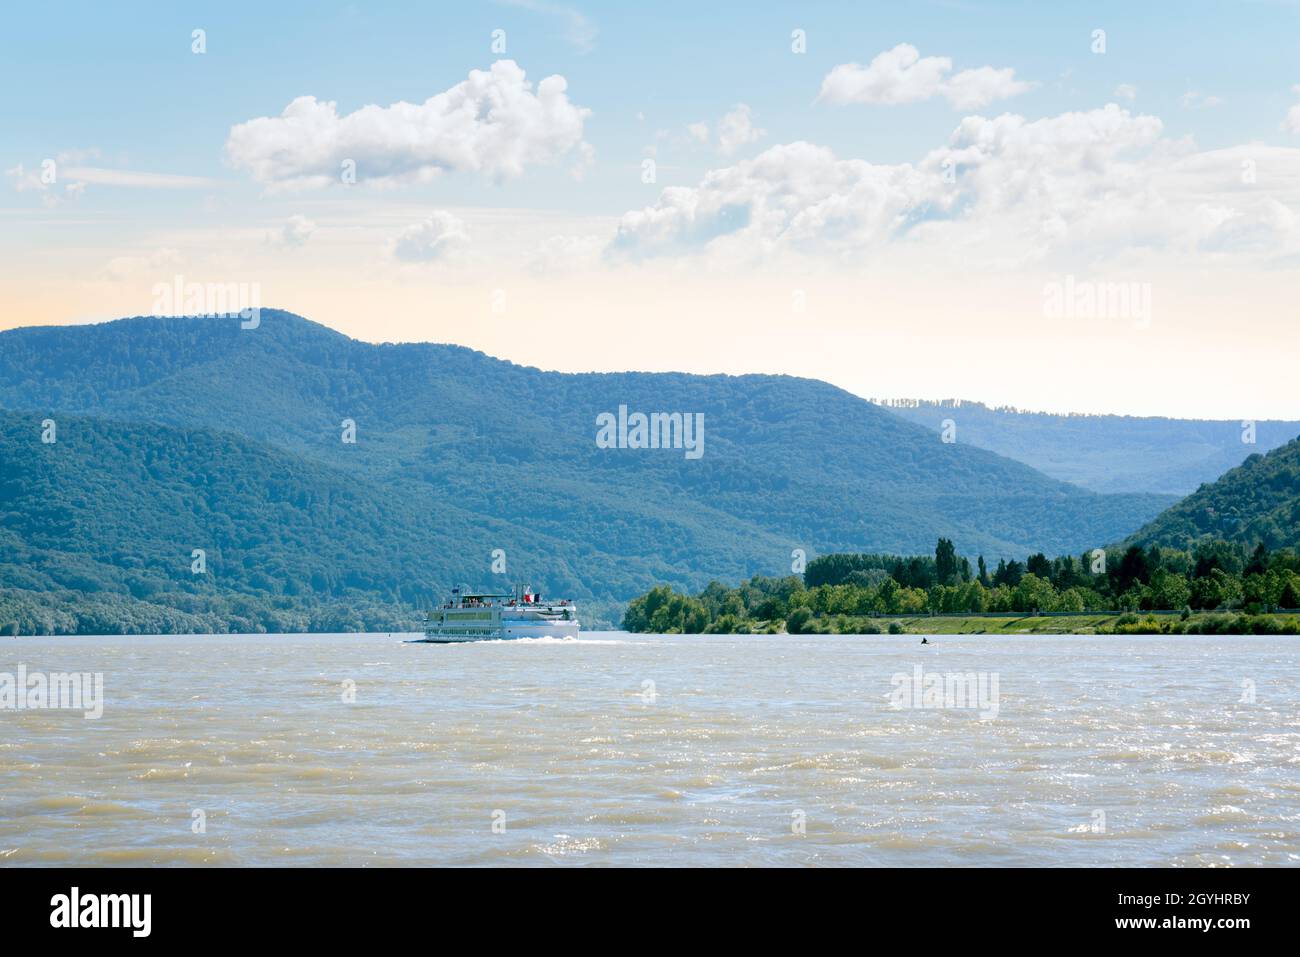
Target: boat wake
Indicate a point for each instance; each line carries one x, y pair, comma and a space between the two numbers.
550, 640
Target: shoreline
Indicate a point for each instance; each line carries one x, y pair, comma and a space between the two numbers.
1118, 624
1051, 623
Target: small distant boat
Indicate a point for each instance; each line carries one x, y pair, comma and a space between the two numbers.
484, 617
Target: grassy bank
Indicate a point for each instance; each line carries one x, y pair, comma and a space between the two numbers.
1018, 625
1129, 623
1114, 623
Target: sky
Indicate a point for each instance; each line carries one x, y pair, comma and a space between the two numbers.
1089, 207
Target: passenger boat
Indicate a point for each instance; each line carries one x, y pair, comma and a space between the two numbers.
486, 617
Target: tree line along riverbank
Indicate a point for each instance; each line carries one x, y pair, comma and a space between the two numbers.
1217, 587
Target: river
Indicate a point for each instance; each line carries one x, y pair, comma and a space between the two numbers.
618, 749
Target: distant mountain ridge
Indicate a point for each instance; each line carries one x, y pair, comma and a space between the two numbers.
1104, 453
458, 454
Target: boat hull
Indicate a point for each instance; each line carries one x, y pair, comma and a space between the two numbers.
507, 631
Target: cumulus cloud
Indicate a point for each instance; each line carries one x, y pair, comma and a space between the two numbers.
430, 239
1126, 91
493, 122
787, 194
296, 231
1093, 184
737, 129
902, 75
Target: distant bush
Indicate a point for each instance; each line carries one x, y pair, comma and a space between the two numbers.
798, 621
1130, 624
1217, 624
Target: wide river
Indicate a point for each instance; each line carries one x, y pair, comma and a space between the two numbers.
618, 749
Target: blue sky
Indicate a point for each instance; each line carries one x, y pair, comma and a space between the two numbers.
78, 75
115, 88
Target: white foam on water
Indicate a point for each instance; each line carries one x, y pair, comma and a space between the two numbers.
549, 640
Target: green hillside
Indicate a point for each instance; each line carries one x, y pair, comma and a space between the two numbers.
177, 432
1259, 501
115, 508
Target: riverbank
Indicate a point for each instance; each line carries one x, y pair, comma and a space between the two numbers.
1126, 623
68, 612
1093, 623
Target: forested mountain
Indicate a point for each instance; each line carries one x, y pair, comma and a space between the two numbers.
1105, 453
116, 507
174, 434
1257, 502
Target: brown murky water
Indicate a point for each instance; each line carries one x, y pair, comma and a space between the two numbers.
632, 749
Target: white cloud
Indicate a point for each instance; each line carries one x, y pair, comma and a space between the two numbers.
46, 183
59, 177
1126, 91
566, 254
493, 123
138, 180
25, 180
786, 195
431, 239
296, 231
1292, 122
902, 75
737, 129
1098, 184
121, 268
585, 161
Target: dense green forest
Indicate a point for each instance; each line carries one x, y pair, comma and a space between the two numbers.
1105, 453
1259, 501
63, 612
788, 462
1230, 546
179, 434
848, 593
98, 532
